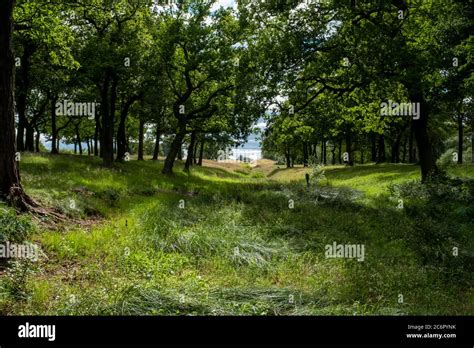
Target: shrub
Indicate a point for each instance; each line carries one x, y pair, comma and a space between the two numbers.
13, 228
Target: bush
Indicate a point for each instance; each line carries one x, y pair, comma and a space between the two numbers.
13, 228
110, 195
443, 211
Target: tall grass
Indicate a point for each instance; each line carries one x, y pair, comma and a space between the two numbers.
237, 246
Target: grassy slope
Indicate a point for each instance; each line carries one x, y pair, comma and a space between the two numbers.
235, 248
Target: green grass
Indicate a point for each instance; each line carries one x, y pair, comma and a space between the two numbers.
236, 248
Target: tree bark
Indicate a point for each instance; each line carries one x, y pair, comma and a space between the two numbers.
180, 152
411, 157
426, 152
349, 148
54, 131
30, 138
305, 154
404, 156
121, 136
460, 138
37, 141
107, 143
189, 159
10, 183
395, 158
175, 147
97, 135
333, 153
373, 148
425, 148
381, 158
339, 153
195, 152
472, 146
324, 144
201, 150
156, 152
287, 157
141, 135
23, 90
78, 139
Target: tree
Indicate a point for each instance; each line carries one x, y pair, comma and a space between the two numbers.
105, 58
198, 59
43, 43
10, 184
348, 50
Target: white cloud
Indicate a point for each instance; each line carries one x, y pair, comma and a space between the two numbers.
225, 4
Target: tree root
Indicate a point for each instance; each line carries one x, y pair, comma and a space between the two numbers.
25, 204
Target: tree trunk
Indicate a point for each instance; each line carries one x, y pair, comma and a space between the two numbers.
472, 146
175, 148
37, 141
411, 157
23, 90
373, 148
107, 143
10, 185
141, 135
324, 144
88, 147
201, 150
287, 157
381, 158
20, 141
78, 139
322, 151
195, 153
156, 152
30, 138
349, 148
121, 136
404, 156
425, 147
305, 154
395, 158
54, 131
333, 152
180, 152
460, 138
339, 154
189, 159
97, 135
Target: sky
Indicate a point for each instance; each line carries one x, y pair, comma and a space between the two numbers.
225, 3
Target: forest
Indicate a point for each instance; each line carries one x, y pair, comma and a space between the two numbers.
120, 121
